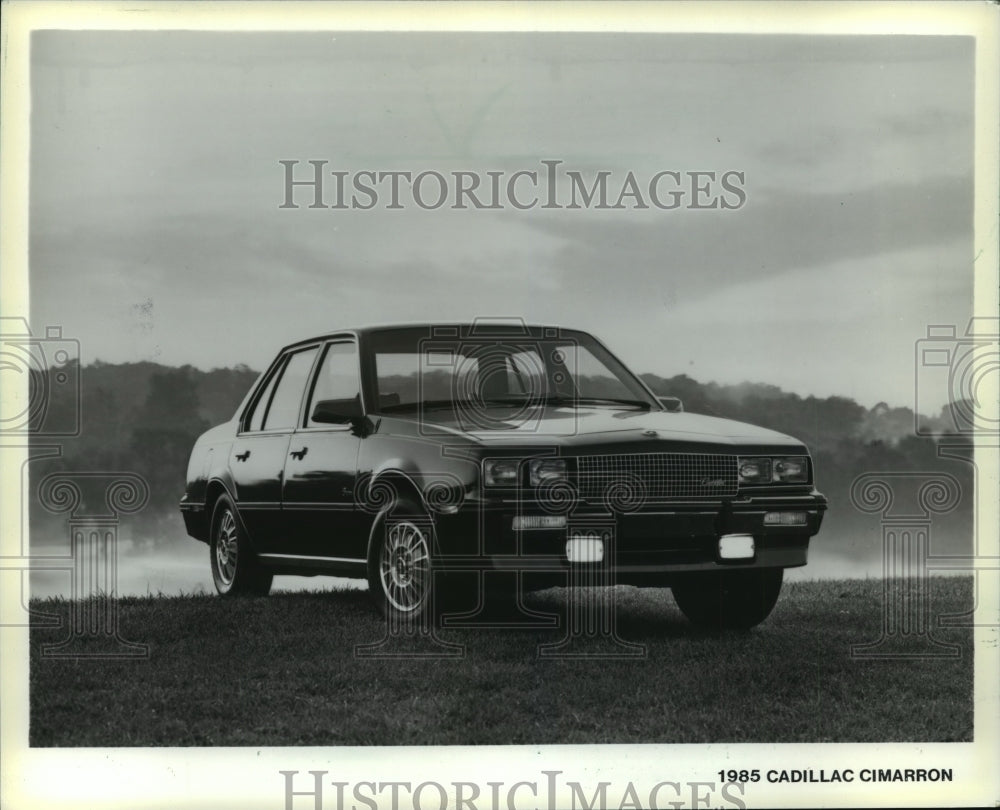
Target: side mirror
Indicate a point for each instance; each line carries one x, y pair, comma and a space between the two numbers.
337, 411
672, 404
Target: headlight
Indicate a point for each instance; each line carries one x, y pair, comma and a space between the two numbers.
544, 470
791, 470
755, 470
500, 472
783, 470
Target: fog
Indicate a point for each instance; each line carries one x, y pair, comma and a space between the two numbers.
181, 567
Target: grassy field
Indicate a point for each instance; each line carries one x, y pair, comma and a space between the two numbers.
283, 671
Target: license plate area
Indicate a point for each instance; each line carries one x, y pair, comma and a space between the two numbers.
736, 547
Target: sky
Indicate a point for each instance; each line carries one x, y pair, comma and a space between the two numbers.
156, 231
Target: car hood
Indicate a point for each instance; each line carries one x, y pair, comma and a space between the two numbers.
589, 426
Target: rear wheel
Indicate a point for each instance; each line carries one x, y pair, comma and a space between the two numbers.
235, 570
729, 600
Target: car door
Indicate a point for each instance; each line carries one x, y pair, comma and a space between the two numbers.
321, 470
257, 458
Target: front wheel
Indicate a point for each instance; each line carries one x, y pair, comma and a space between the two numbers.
400, 570
728, 600
235, 570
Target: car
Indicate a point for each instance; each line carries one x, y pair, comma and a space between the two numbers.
434, 460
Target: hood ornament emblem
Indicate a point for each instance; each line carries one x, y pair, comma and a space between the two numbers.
651, 433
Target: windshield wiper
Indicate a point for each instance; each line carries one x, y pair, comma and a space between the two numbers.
634, 403
418, 405
438, 404
562, 399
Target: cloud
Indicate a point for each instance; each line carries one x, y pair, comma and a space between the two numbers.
155, 177
777, 230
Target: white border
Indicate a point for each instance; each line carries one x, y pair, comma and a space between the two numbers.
248, 777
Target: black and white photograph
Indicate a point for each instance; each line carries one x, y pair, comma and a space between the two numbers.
481, 406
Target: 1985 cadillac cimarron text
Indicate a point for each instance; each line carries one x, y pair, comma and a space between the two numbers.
440, 460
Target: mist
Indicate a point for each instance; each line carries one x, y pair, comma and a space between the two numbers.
173, 564
141, 420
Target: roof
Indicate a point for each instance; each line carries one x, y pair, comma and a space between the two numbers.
481, 328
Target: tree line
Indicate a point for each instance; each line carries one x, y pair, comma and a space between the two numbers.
144, 418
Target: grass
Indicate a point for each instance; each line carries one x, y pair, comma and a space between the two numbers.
283, 671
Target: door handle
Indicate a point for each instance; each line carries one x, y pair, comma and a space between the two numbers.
243, 456
299, 454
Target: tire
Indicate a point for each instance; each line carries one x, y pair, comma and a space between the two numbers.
235, 570
729, 600
401, 571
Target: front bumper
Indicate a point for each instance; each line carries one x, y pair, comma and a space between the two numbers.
648, 545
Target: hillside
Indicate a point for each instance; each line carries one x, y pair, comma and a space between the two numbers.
144, 417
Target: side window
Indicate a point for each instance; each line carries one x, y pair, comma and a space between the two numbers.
338, 378
284, 409
256, 420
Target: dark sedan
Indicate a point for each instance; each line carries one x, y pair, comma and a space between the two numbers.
422, 458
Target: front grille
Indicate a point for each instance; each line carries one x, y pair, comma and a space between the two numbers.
627, 481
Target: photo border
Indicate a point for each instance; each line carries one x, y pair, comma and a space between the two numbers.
250, 777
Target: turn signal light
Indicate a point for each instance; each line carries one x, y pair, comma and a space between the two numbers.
785, 519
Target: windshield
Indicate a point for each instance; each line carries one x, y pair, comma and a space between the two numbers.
419, 368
